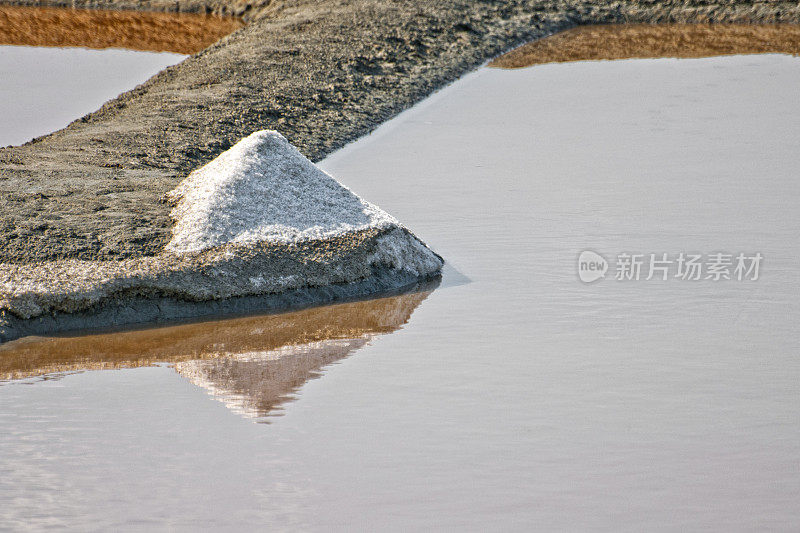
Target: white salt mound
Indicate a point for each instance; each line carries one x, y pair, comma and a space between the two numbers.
264, 189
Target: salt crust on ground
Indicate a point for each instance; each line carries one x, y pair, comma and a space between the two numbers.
259, 219
264, 189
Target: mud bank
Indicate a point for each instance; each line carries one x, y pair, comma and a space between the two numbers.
638, 41
164, 298
156, 32
322, 73
258, 228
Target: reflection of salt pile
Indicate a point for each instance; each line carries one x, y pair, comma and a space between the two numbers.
255, 384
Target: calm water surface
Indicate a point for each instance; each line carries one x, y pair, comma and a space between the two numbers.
523, 399
44, 89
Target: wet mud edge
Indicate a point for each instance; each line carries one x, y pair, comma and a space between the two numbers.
139, 312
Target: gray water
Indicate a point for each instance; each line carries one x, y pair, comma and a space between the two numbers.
524, 399
44, 89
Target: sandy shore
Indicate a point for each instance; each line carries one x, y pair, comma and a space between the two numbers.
181, 33
321, 72
646, 41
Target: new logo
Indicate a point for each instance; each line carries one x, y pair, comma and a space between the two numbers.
591, 266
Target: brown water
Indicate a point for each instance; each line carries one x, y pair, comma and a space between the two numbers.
629, 41
181, 33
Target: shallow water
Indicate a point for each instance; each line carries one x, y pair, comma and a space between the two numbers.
44, 89
524, 399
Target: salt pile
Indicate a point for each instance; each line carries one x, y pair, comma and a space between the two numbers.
264, 189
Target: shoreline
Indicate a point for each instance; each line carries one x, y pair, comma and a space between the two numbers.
321, 73
646, 41
180, 33
189, 320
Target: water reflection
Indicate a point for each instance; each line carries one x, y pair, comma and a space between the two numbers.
255, 384
181, 33
253, 364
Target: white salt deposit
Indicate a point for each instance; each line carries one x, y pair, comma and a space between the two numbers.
264, 189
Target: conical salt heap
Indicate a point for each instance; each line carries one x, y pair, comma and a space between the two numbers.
264, 189
259, 227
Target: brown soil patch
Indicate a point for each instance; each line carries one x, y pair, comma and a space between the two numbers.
613, 41
157, 32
